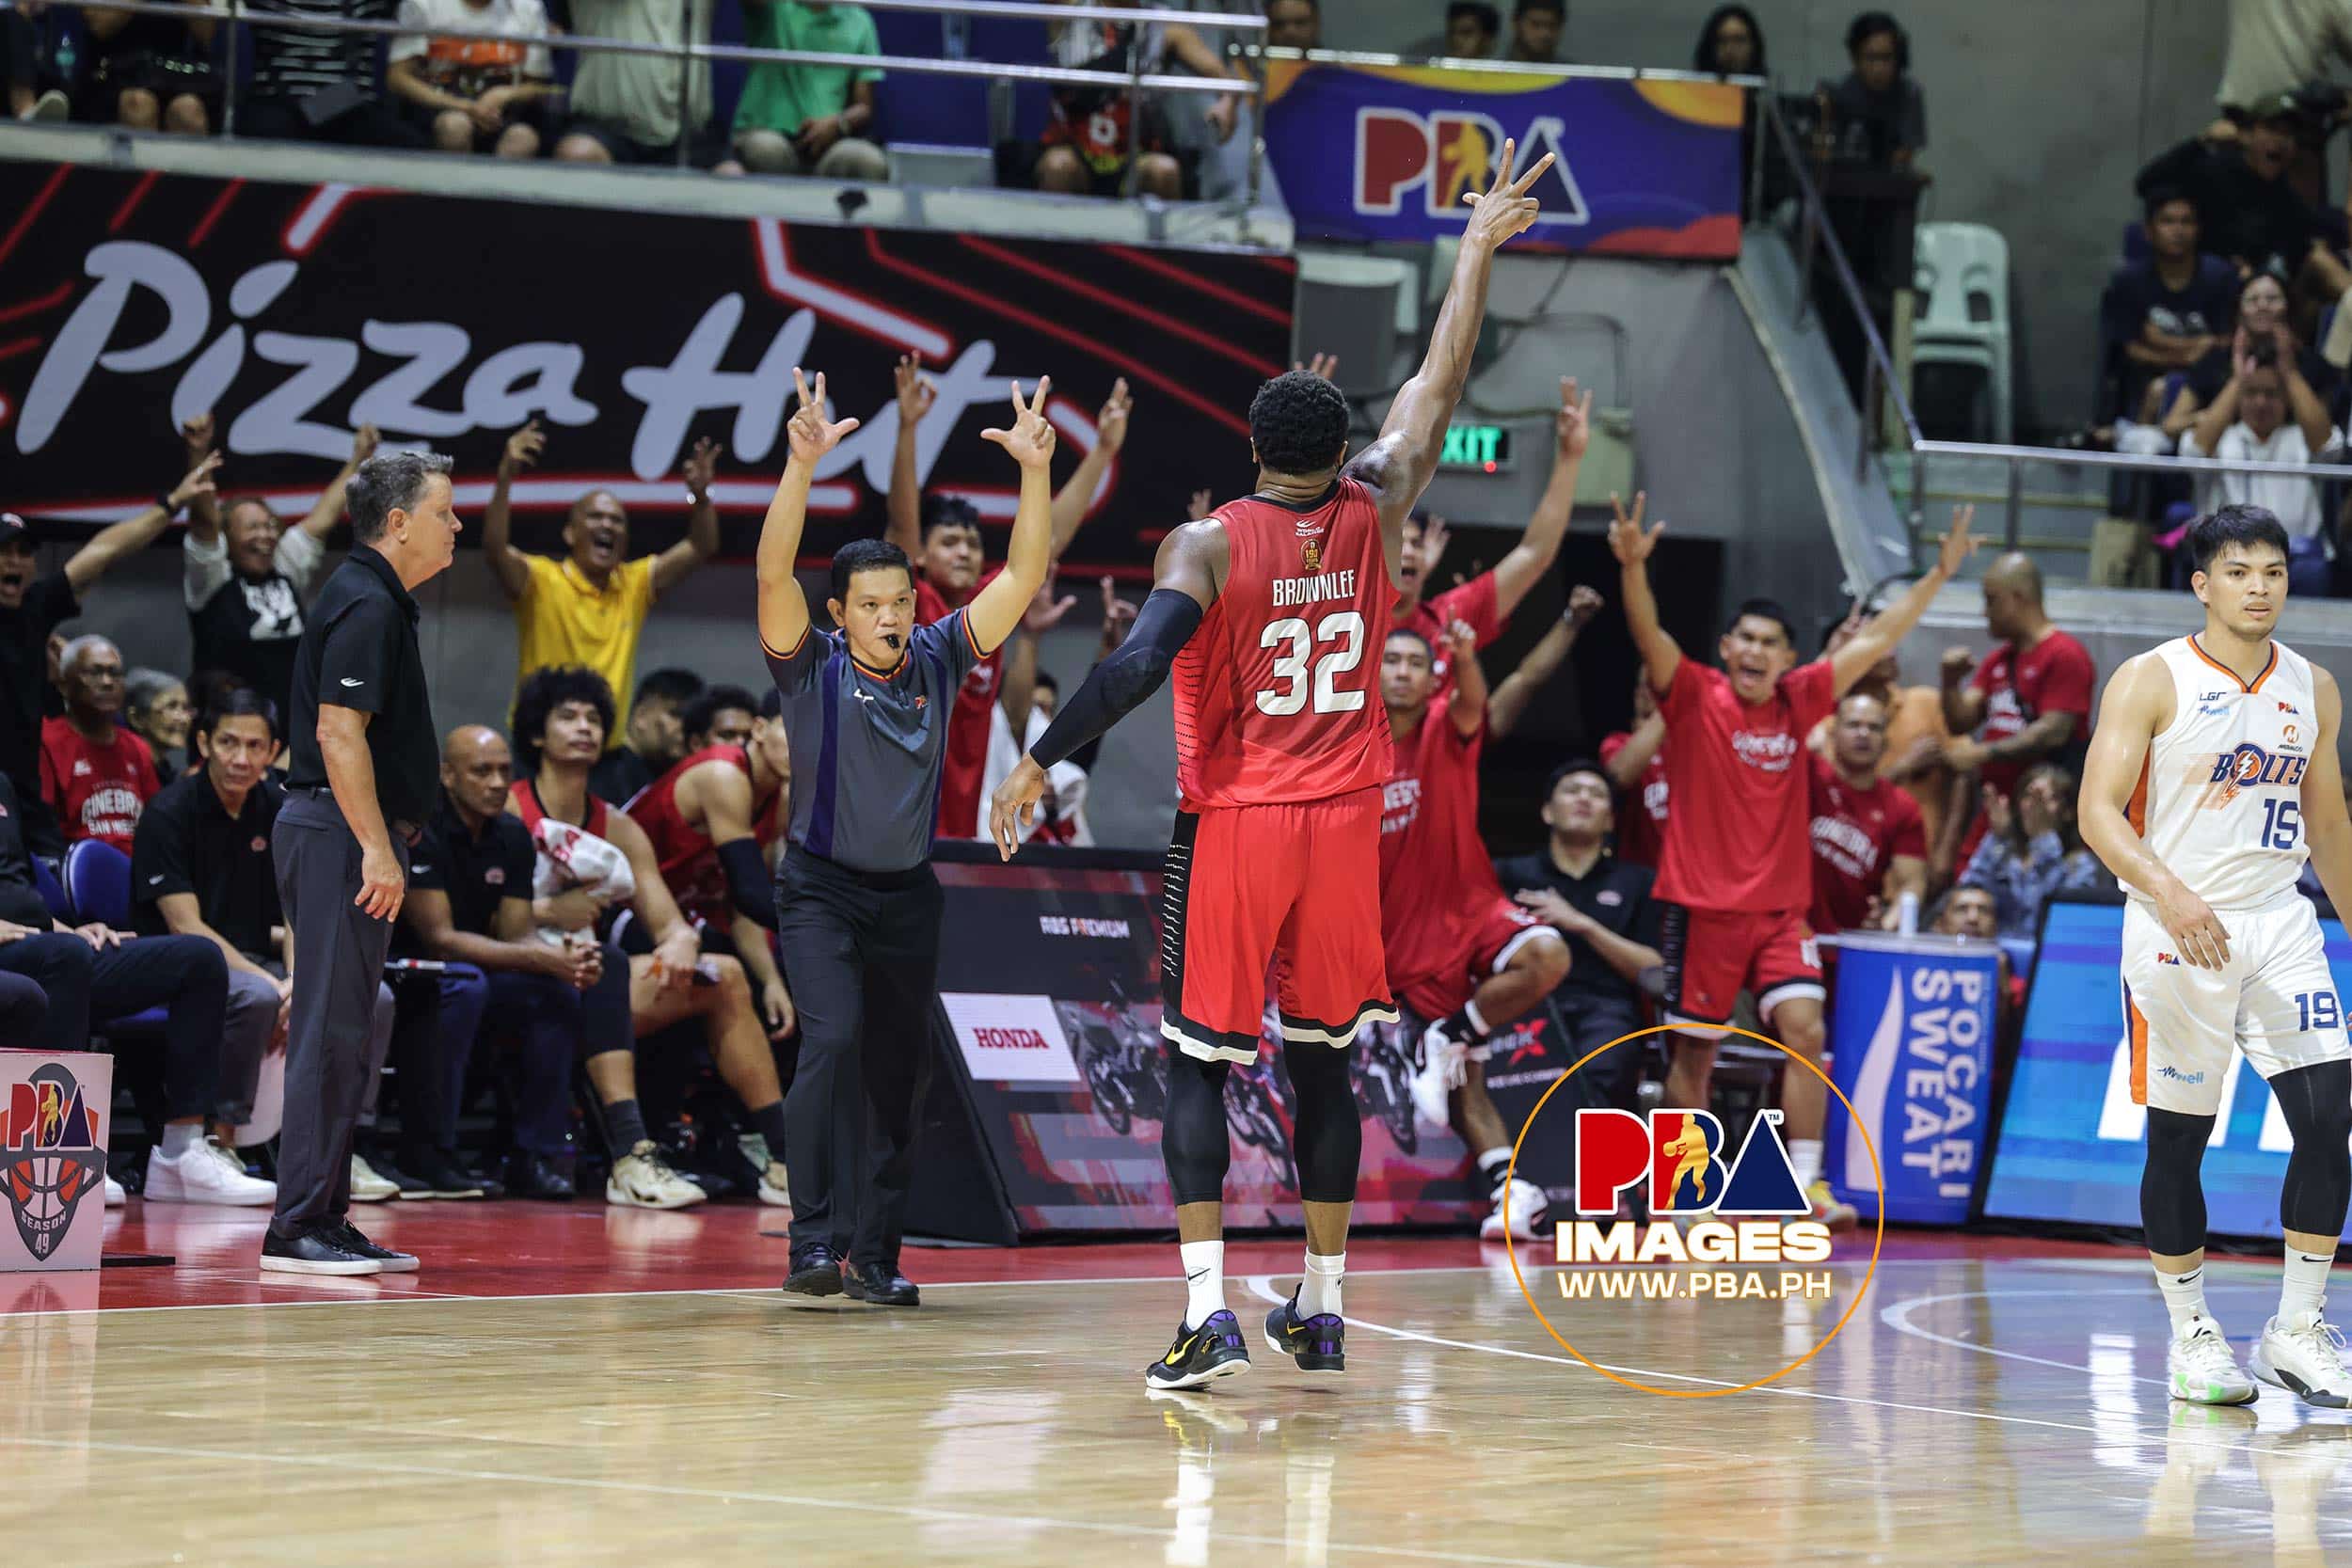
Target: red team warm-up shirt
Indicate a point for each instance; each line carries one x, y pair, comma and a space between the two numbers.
1737, 840
2055, 675
1274, 699
97, 790
1856, 834
1642, 812
967, 722
1473, 602
1436, 887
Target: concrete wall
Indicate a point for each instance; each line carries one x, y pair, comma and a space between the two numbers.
2037, 117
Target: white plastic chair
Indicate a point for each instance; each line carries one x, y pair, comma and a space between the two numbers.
1961, 271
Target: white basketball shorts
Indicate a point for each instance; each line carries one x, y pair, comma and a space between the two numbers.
2274, 1000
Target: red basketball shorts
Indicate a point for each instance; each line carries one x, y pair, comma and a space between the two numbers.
1713, 955
1501, 932
1297, 886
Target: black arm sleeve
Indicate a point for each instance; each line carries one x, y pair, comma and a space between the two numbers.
1120, 684
748, 883
1084, 756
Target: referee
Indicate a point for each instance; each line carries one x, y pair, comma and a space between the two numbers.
865, 709
363, 775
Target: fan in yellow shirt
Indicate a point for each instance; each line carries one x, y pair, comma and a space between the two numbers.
589, 607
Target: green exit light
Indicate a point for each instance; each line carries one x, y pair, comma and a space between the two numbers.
1478, 449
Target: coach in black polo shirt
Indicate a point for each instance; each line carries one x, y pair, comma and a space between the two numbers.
361, 780
1602, 905
470, 906
866, 708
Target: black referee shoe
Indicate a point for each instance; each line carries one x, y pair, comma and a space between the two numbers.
880, 1284
1200, 1354
815, 1272
1318, 1344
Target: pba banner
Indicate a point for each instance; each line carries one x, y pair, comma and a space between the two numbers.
2072, 1142
1913, 1048
1050, 990
1386, 153
130, 301
55, 1108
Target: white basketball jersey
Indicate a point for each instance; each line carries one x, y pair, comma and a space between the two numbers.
2220, 797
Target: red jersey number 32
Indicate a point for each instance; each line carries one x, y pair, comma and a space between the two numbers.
1342, 633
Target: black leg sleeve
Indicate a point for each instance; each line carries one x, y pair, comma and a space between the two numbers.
1192, 1139
1330, 1137
2172, 1190
2316, 1101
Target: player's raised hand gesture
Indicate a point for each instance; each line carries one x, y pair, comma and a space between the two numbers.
523, 449
1324, 364
1959, 545
1575, 422
1031, 439
700, 467
1628, 541
810, 433
1110, 425
1460, 642
1504, 209
916, 391
1583, 604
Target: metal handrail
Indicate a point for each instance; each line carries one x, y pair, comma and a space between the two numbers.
2068, 457
1496, 68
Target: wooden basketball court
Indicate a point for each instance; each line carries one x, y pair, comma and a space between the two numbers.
583, 1385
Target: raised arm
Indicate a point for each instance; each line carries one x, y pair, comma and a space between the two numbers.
2215, 418
2136, 708
1631, 760
1887, 630
997, 608
904, 510
86, 565
1509, 703
203, 510
329, 509
505, 562
1465, 705
1110, 433
1631, 543
1540, 545
783, 608
702, 524
2311, 414
1016, 692
1398, 465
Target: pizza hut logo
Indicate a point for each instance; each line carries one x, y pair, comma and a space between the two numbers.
1310, 552
494, 877
260, 845
49, 1156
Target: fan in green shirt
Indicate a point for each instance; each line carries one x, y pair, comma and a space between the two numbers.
808, 118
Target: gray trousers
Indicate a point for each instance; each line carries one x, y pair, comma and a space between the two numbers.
246, 1102
339, 969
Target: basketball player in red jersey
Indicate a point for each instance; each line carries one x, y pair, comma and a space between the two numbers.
1636, 761
1464, 958
1273, 610
941, 534
1736, 874
709, 819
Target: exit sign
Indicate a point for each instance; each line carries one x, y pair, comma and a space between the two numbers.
1478, 449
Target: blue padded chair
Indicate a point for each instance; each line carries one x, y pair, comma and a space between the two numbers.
98, 887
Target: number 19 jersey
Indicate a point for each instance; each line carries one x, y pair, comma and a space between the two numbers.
2219, 799
1275, 693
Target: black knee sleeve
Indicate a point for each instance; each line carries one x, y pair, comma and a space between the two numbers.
2316, 1101
1329, 1137
2171, 1194
1192, 1136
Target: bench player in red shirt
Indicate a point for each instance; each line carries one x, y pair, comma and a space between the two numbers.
1463, 956
1869, 841
1736, 873
1272, 610
941, 534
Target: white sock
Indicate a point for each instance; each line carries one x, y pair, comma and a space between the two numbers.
2184, 1297
1319, 1290
1804, 1157
2303, 1287
1491, 1166
1204, 1280
181, 1136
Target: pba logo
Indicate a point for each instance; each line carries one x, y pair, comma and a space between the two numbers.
1679, 1155
49, 1156
1452, 153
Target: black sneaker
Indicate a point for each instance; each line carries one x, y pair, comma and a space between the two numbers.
539, 1176
880, 1283
815, 1272
351, 1239
317, 1250
1200, 1354
1315, 1343
429, 1172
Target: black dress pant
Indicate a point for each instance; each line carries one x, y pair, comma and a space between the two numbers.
184, 974
863, 951
338, 964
